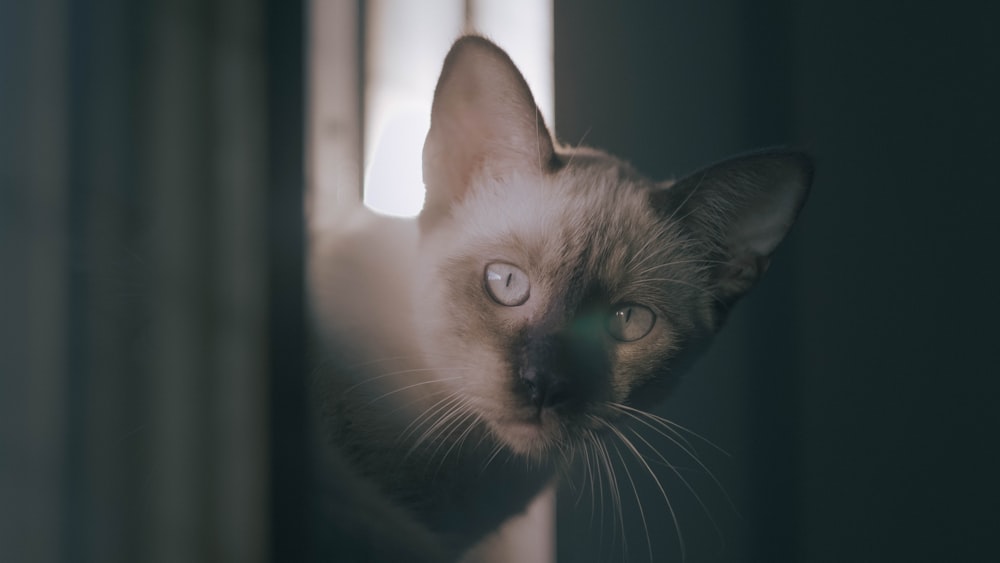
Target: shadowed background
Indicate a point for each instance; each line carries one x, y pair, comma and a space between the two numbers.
151, 361
855, 387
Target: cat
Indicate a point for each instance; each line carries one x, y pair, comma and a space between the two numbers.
543, 295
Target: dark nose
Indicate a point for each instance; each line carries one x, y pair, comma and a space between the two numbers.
544, 388
562, 368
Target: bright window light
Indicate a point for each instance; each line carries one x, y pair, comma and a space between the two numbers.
523, 28
334, 123
407, 42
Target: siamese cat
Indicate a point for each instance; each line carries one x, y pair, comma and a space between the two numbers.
544, 296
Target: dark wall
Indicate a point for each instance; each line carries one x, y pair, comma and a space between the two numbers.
854, 387
151, 245
897, 275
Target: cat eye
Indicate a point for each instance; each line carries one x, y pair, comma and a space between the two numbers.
507, 284
630, 322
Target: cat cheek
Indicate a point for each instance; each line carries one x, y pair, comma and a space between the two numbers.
632, 368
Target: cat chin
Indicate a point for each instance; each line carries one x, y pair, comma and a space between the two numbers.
530, 439
523, 437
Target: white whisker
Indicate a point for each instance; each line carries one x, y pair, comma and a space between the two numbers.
683, 480
455, 420
705, 263
426, 415
400, 372
684, 283
411, 386
613, 487
671, 424
635, 491
470, 420
496, 451
690, 453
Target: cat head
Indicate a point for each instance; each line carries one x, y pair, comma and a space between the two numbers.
562, 286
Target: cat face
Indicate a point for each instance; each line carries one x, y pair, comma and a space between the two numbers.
561, 288
559, 295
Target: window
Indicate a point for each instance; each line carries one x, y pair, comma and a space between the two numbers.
379, 126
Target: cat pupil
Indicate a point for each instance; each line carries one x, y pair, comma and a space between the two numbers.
624, 314
509, 277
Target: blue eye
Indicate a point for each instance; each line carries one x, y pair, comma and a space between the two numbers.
628, 323
507, 284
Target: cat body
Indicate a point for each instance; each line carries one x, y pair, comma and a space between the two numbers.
542, 297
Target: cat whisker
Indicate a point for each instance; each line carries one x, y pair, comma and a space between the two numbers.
414, 401
641, 255
638, 500
429, 437
590, 474
588, 477
416, 422
470, 421
673, 468
496, 451
600, 484
670, 424
599, 470
677, 246
565, 453
440, 416
382, 360
581, 448
636, 414
437, 418
625, 441
690, 453
482, 437
706, 263
687, 284
570, 451
401, 372
613, 488
419, 357
411, 386
450, 423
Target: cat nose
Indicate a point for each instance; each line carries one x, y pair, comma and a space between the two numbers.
543, 388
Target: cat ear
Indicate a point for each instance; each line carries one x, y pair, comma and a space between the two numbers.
483, 121
744, 206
